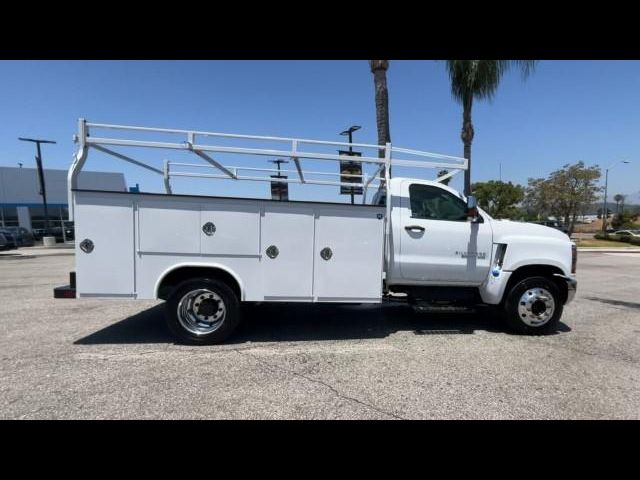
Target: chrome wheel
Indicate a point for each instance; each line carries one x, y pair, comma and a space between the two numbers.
536, 306
201, 311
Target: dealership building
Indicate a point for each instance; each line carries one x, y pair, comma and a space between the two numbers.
21, 202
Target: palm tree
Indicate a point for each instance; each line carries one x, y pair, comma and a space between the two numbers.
478, 79
379, 69
618, 198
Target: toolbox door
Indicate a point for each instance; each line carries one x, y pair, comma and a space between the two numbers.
104, 245
287, 252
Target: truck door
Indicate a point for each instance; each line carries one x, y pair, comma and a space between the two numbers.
437, 242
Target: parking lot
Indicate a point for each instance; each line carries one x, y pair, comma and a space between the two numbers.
91, 358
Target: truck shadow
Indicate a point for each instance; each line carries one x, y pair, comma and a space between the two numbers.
308, 322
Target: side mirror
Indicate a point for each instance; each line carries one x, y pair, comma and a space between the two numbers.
472, 208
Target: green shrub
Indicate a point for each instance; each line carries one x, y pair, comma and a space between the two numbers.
613, 237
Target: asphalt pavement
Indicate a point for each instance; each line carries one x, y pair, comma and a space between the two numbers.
94, 358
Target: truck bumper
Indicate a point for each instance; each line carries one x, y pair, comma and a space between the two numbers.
572, 286
67, 291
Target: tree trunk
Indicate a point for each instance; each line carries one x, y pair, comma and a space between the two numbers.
467, 140
379, 70
573, 223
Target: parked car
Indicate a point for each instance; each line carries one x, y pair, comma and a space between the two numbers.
56, 231
38, 233
553, 224
628, 233
3, 242
68, 232
9, 240
24, 238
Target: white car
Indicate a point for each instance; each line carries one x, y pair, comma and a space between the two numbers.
628, 233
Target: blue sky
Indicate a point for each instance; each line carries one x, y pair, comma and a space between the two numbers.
565, 112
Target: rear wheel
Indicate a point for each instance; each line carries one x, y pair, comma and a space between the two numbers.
202, 311
533, 306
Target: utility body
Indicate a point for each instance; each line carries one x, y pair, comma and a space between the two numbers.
417, 241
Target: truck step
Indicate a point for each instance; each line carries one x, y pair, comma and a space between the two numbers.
435, 308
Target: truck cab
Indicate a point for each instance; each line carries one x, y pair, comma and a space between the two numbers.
440, 253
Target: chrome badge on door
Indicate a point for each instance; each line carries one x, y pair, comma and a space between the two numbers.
479, 255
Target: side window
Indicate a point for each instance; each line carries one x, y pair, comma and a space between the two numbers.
434, 203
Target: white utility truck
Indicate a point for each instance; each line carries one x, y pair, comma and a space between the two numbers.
416, 241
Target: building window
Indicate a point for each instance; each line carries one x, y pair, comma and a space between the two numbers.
9, 216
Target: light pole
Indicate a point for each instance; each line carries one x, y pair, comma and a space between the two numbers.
280, 186
349, 132
43, 192
604, 204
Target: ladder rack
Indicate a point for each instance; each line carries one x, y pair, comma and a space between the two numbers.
384, 157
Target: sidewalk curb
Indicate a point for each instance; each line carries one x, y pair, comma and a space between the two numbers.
609, 250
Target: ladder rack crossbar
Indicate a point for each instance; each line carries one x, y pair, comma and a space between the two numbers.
268, 179
232, 135
384, 158
272, 170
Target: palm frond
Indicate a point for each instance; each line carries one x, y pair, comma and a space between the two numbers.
480, 78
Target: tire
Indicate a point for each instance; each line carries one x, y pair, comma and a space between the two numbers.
202, 311
528, 310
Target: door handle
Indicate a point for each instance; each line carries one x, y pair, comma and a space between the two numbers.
414, 228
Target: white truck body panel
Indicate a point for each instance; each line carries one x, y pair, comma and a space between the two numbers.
532, 244
139, 238
354, 272
109, 220
168, 226
289, 276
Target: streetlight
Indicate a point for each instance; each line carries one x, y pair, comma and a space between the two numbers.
349, 132
604, 205
281, 188
41, 178
350, 165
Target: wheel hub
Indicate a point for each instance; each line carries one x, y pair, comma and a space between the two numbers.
206, 307
201, 311
536, 307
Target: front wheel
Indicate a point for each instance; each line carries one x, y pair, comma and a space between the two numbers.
202, 311
533, 306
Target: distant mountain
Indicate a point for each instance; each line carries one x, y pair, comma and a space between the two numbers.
631, 198
632, 201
